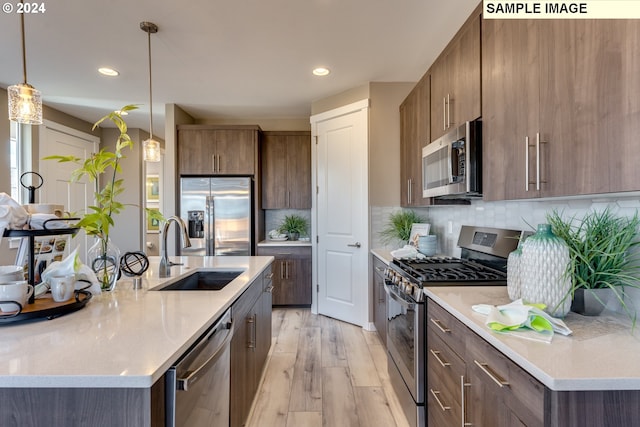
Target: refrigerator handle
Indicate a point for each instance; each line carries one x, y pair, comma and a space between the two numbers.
211, 232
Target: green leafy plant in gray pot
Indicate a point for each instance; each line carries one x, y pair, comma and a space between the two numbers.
399, 226
294, 226
604, 258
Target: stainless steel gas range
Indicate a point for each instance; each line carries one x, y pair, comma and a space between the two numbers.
483, 262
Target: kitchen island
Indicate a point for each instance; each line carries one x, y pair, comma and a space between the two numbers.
118, 347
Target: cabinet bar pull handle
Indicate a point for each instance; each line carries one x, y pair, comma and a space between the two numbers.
462, 403
282, 270
409, 191
251, 321
269, 289
270, 276
438, 323
444, 113
448, 111
435, 396
381, 270
487, 370
526, 163
436, 354
286, 266
538, 161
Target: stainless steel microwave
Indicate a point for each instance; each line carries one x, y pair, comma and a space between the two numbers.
452, 164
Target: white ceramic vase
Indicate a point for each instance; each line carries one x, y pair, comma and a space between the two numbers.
514, 287
543, 271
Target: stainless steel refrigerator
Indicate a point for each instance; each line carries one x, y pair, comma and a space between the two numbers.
218, 214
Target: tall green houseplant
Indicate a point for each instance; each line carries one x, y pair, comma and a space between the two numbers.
604, 252
102, 169
399, 226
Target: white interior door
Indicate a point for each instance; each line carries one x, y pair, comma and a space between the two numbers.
57, 188
342, 215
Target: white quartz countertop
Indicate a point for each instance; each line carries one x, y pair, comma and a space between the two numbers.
383, 255
124, 338
269, 242
602, 353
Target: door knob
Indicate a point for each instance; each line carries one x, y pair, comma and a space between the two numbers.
354, 245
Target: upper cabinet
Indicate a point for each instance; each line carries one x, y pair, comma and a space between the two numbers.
414, 134
560, 107
286, 170
217, 150
456, 79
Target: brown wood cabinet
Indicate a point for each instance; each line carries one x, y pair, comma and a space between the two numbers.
456, 79
380, 299
291, 274
414, 134
217, 150
250, 344
559, 107
470, 382
285, 158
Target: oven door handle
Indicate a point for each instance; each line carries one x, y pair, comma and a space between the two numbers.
396, 297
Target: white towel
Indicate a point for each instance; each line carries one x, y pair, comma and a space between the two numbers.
407, 251
522, 320
12, 215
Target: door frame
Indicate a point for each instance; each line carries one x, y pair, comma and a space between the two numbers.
363, 104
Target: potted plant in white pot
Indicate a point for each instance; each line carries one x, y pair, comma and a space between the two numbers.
604, 258
102, 168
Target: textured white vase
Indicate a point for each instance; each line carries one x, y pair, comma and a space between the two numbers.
543, 271
514, 287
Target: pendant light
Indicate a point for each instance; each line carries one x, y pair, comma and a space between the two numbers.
151, 147
25, 101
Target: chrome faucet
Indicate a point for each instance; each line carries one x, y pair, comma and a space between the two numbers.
165, 264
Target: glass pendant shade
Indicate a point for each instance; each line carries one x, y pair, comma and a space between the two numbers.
25, 104
151, 149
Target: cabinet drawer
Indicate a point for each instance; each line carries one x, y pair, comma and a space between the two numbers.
285, 251
445, 374
447, 327
378, 266
522, 393
243, 305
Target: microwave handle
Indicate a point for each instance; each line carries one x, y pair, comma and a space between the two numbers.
449, 164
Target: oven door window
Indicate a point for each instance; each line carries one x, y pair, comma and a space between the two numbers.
401, 320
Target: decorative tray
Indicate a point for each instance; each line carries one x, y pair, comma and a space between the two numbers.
46, 307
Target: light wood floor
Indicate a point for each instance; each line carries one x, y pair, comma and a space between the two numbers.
323, 372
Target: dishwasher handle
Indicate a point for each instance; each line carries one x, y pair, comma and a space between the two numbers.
192, 375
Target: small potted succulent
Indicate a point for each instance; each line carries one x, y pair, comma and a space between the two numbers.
294, 226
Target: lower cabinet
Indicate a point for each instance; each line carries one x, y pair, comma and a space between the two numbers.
470, 382
291, 274
251, 315
380, 299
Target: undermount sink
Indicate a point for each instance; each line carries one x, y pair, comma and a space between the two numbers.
203, 281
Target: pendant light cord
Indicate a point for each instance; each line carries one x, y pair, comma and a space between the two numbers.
24, 49
150, 92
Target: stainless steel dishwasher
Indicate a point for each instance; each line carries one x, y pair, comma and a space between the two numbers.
197, 387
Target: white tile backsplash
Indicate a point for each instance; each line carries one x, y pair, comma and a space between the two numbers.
519, 215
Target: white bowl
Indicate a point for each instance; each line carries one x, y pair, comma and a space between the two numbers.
11, 273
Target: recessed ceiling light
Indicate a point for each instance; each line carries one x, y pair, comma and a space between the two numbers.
321, 71
106, 71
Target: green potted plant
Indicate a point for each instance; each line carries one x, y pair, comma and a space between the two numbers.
102, 168
603, 259
294, 226
399, 226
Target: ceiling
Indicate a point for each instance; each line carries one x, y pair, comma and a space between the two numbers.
222, 59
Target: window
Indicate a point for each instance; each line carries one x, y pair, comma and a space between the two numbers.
14, 139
